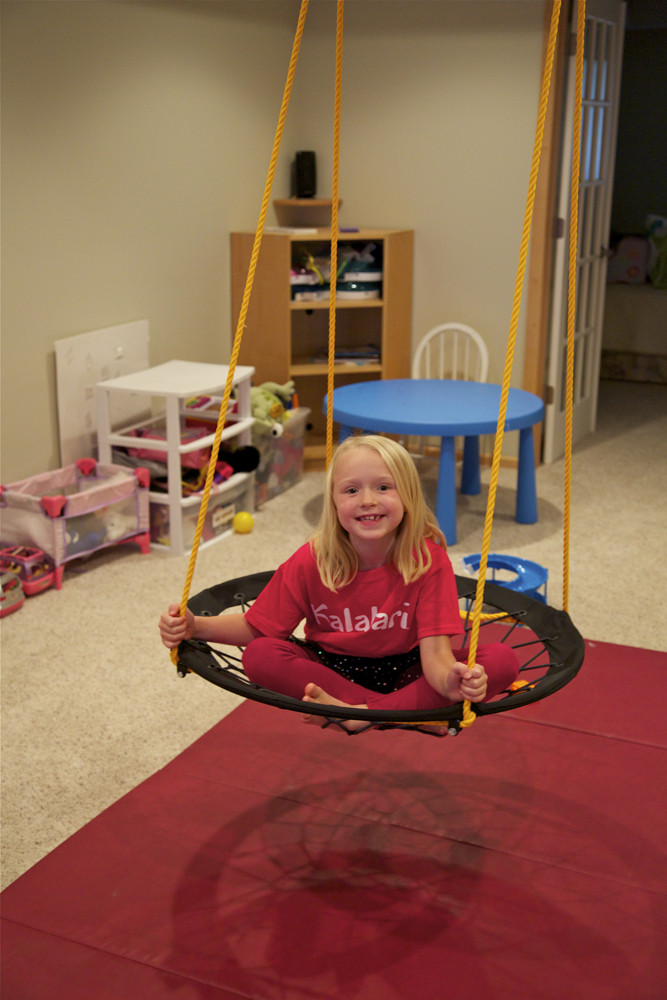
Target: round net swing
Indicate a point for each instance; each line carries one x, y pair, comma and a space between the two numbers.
549, 647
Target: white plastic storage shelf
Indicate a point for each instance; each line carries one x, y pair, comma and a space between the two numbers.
166, 389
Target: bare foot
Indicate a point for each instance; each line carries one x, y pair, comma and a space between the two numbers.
432, 729
319, 697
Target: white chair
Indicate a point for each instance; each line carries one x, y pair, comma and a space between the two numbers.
454, 351
451, 350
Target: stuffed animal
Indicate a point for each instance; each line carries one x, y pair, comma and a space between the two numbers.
118, 524
269, 407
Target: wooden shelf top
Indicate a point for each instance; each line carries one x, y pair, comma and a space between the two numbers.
341, 368
315, 234
307, 304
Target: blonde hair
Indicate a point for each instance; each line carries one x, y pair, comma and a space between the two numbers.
337, 560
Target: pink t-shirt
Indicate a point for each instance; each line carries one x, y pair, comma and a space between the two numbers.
375, 615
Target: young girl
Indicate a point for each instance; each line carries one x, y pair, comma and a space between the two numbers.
378, 595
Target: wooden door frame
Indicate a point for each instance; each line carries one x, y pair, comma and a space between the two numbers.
541, 250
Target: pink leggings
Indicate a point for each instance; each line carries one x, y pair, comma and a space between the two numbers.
286, 668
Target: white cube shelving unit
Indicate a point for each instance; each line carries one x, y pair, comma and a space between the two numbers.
172, 384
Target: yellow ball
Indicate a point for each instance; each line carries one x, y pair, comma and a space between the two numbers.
243, 522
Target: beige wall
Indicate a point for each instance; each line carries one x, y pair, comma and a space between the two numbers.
136, 136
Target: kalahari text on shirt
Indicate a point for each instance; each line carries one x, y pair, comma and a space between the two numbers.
374, 622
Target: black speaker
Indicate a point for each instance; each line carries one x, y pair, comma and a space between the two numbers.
305, 174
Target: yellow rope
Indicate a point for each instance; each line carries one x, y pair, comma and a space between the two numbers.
244, 311
571, 294
468, 715
334, 231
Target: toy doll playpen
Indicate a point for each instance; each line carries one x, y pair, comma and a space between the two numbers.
77, 510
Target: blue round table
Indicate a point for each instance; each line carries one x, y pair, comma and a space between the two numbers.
447, 409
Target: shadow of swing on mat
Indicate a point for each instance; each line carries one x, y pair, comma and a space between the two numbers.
348, 881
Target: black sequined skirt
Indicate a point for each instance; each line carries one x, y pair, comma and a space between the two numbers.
382, 674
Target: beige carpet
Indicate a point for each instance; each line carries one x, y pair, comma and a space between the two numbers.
91, 704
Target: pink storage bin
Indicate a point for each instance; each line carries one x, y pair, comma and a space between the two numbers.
76, 510
189, 460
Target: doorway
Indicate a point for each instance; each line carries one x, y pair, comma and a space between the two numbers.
603, 48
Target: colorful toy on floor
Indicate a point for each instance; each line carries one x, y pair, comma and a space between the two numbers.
529, 577
11, 593
243, 522
32, 566
77, 510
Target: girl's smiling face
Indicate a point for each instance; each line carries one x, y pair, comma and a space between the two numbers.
368, 504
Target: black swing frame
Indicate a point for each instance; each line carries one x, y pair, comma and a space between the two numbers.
553, 633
